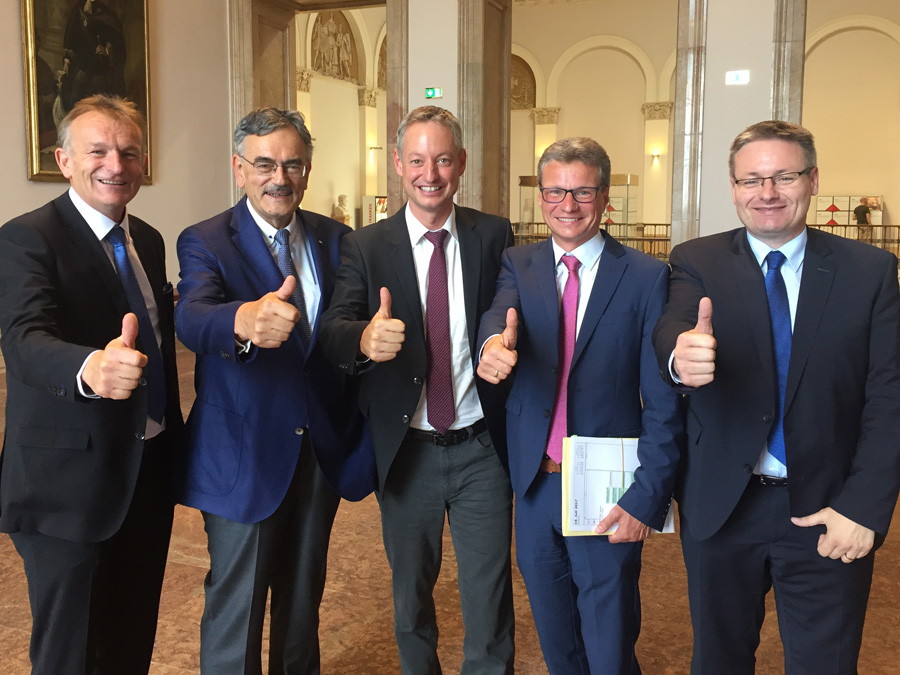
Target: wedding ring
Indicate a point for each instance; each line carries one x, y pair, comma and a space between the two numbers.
496, 373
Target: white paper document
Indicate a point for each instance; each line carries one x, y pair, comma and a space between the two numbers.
596, 472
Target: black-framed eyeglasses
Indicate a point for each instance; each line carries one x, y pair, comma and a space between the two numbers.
266, 167
781, 180
582, 195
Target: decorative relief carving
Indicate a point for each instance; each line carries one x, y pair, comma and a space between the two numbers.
659, 110
368, 97
521, 84
546, 115
303, 78
333, 49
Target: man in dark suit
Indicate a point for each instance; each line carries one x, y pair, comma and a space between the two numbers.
404, 318
92, 412
581, 284
274, 423
785, 340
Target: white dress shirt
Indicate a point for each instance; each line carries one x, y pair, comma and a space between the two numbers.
588, 254
465, 395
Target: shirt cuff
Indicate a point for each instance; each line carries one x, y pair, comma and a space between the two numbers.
672, 373
80, 384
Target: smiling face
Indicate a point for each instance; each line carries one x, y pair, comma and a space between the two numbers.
429, 171
773, 214
103, 161
274, 197
572, 223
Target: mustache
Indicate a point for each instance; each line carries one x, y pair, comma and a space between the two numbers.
269, 189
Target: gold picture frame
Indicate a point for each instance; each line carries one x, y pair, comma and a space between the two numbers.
73, 49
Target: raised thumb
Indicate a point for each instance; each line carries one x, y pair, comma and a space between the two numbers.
385, 308
129, 330
287, 288
704, 317
511, 332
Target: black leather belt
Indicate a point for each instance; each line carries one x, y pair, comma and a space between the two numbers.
770, 481
451, 437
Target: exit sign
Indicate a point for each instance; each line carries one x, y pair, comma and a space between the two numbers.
434, 92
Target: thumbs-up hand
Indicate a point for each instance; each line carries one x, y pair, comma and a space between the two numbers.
115, 371
268, 322
499, 356
383, 338
695, 350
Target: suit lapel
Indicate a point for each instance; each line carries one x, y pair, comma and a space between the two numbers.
324, 276
751, 285
85, 241
542, 278
610, 269
470, 258
249, 241
815, 286
400, 252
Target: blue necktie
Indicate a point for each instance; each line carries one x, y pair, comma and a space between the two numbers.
780, 316
153, 372
286, 266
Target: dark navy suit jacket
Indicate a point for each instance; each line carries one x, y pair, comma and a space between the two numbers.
245, 429
613, 368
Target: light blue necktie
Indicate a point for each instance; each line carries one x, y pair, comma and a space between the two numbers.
780, 316
153, 372
286, 266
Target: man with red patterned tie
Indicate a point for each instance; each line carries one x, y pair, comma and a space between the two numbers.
403, 318
572, 319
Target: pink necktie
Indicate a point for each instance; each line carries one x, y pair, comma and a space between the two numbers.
567, 318
438, 375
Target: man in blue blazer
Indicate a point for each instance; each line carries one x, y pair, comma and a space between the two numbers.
274, 434
583, 590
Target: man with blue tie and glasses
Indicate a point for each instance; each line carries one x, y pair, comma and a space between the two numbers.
785, 341
274, 435
92, 415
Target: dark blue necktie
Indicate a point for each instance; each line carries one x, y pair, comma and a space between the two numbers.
286, 266
153, 371
780, 316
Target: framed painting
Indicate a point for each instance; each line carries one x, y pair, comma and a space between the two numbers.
75, 49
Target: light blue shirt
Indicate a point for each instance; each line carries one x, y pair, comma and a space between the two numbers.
791, 271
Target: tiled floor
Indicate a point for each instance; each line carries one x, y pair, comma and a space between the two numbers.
356, 629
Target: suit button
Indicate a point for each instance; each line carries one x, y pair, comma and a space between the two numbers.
405, 419
767, 418
546, 413
143, 381
748, 468
554, 369
417, 380
299, 431
139, 435
344, 366
225, 355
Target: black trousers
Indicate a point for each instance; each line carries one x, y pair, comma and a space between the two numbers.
94, 606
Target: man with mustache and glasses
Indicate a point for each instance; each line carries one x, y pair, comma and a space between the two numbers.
409, 294
786, 342
274, 435
92, 416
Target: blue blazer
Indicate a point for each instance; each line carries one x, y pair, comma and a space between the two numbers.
245, 430
613, 368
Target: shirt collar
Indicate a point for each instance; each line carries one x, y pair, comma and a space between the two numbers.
794, 250
417, 230
100, 225
268, 230
588, 253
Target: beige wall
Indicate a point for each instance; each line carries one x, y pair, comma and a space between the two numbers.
189, 117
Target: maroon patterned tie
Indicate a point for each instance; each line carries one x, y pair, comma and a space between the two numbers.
438, 373
568, 316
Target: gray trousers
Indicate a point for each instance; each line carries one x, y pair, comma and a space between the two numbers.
287, 553
467, 482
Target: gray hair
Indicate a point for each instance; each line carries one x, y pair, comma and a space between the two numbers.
264, 121
430, 113
577, 149
775, 130
115, 107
